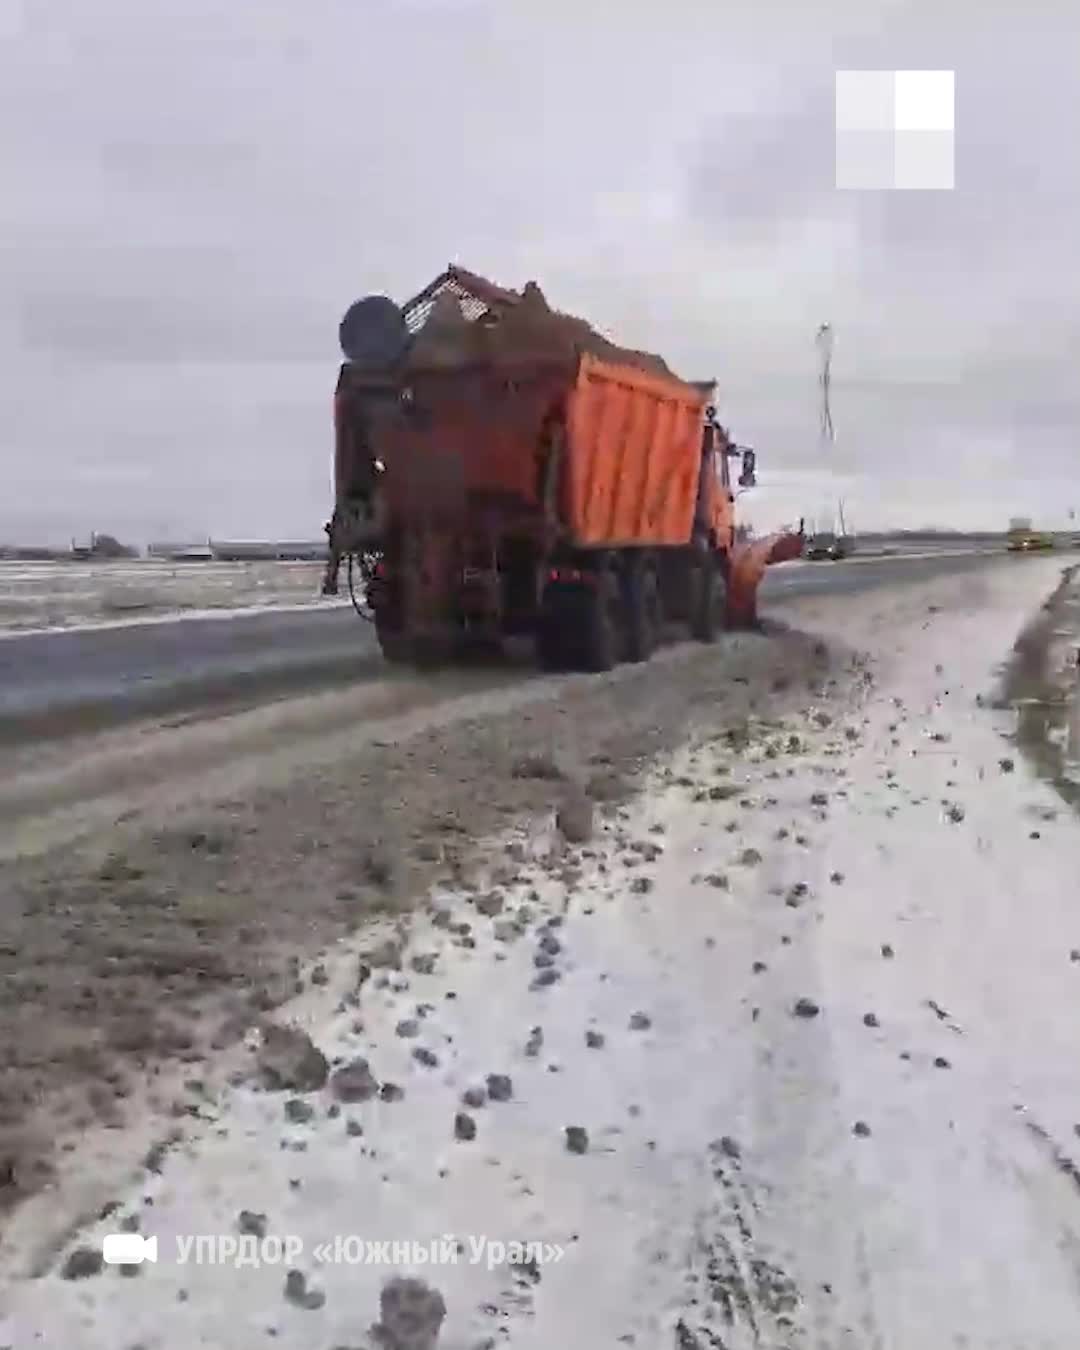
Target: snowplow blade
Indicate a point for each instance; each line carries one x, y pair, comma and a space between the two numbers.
748, 564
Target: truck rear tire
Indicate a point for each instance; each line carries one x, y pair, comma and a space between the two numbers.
393, 637
644, 615
710, 610
395, 646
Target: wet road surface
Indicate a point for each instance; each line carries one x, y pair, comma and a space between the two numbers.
56, 683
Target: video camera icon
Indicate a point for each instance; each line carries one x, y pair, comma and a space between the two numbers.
128, 1249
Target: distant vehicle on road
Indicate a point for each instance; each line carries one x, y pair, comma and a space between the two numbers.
828, 544
821, 545
1022, 538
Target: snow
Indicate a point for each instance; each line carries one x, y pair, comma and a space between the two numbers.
57, 596
723, 1170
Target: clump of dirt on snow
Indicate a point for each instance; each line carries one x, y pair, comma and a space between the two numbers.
411, 1314
289, 1061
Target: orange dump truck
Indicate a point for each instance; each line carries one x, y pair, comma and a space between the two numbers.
502, 470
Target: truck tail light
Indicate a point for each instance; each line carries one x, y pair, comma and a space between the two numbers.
572, 576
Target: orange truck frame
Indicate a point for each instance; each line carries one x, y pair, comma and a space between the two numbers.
583, 502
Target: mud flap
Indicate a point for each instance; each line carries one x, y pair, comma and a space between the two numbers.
602, 633
581, 626
551, 650
641, 597
710, 616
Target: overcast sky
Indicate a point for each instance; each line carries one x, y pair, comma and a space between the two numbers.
193, 192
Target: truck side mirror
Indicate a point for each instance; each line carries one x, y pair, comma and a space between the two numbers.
748, 477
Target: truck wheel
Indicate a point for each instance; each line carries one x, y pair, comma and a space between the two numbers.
643, 614
601, 623
395, 646
710, 612
430, 653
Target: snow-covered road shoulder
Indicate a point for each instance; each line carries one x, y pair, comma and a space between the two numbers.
782, 1056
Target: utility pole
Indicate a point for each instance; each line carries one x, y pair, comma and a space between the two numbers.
824, 340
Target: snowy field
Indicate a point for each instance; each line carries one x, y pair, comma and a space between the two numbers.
50, 595
789, 1055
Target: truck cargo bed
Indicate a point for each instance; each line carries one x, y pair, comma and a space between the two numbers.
634, 448
629, 448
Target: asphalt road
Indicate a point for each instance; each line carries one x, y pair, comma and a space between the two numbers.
57, 683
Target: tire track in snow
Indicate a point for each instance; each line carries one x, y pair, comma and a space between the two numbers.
734, 1290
